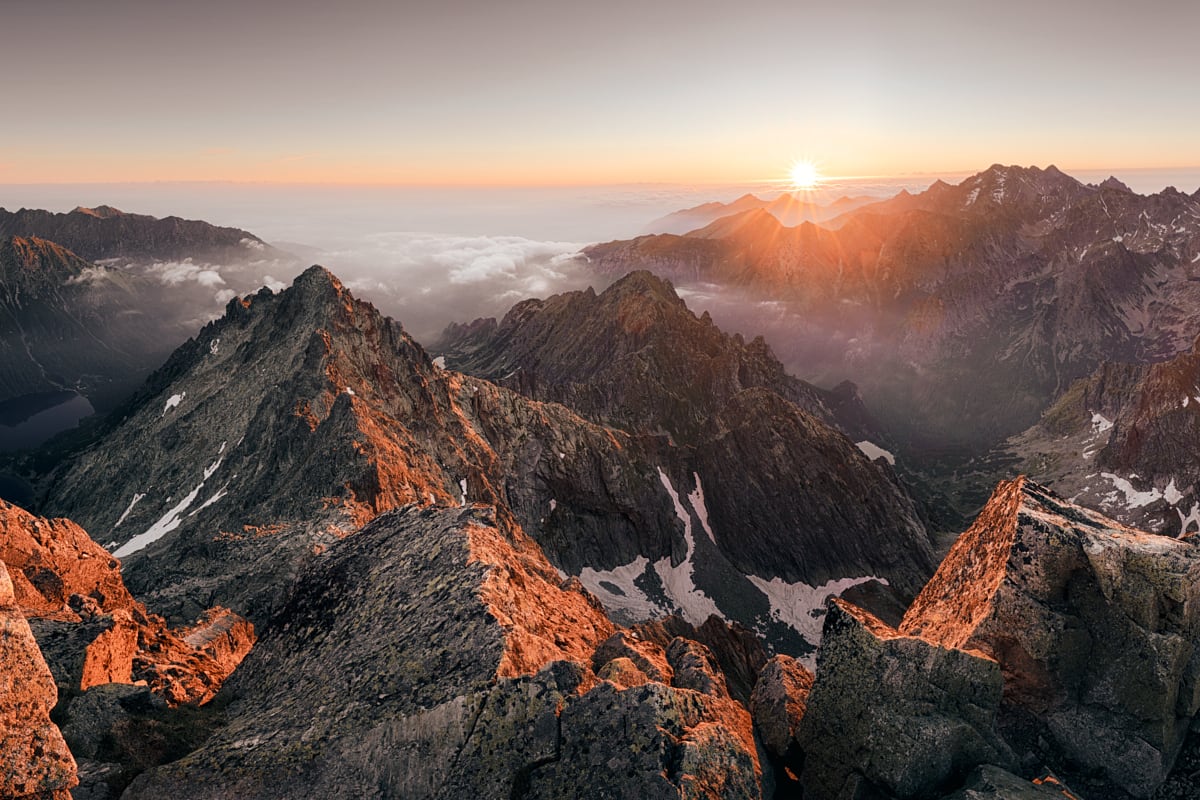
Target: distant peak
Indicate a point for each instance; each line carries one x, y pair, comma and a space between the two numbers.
100, 212
643, 282
317, 276
1111, 182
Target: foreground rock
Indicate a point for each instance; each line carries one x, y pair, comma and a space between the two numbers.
35, 759
435, 654
894, 713
1094, 625
93, 632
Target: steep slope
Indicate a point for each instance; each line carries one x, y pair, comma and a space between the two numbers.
66, 326
1124, 441
104, 232
965, 309
299, 416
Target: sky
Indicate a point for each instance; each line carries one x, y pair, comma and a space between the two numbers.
550, 92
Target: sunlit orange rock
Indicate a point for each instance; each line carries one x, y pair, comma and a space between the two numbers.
35, 763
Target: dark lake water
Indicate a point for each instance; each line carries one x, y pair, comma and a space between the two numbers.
29, 420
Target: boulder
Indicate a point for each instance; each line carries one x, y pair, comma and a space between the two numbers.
35, 763
1094, 625
894, 713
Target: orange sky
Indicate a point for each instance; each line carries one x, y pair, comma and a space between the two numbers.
534, 92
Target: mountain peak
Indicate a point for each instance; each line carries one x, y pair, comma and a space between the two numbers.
643, 282
1111, 182
100, 212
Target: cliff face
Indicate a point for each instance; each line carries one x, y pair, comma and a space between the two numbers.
37, 763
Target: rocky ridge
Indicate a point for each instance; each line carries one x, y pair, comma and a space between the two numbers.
299, 416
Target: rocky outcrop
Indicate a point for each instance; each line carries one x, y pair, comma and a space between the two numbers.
93, 632
1123, 441
1094, 625
437, 637
36, 762
895, 713
777, 704
989, 782
59, 571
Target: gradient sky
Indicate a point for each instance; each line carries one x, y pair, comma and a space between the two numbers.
560, 92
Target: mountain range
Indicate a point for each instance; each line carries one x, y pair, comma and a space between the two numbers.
602, 547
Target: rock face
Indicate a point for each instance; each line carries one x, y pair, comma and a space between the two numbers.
91, 629
895, 713
1124, 442
438, 637
778, 703
1094, 625
965, 309
299, 416
66, 326
36, 762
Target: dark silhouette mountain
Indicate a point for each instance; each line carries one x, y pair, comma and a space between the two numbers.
102, 233
965, 309
65, 325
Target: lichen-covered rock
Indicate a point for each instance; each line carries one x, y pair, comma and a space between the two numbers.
35, 763
1095, 626
436, 654
778, 703
895, 713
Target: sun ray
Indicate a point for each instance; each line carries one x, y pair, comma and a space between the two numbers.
805, 175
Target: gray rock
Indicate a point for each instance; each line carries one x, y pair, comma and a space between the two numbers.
778, 703
989, 782
1095, 626
895, 713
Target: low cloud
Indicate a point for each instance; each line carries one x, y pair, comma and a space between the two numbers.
428, 280
174, 273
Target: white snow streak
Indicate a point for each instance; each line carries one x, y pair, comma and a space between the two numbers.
874, 451
678, 581
799, 605
167, 523
136, 498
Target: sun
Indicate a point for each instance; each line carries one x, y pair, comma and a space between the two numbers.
805, 175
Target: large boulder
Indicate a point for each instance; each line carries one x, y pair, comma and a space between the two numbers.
35, 763
1094, 625
895, 714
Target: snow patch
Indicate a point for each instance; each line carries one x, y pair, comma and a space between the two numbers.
1133, 498
173, 401
627, 599
136, 499
213, 467
1186, 522
553, 504
1100, 424
696, 498
462, 484
217, 496
1171, 494
801, 606
874, 451
167, 523
214, 346
440, 362
349, 391
679, 581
